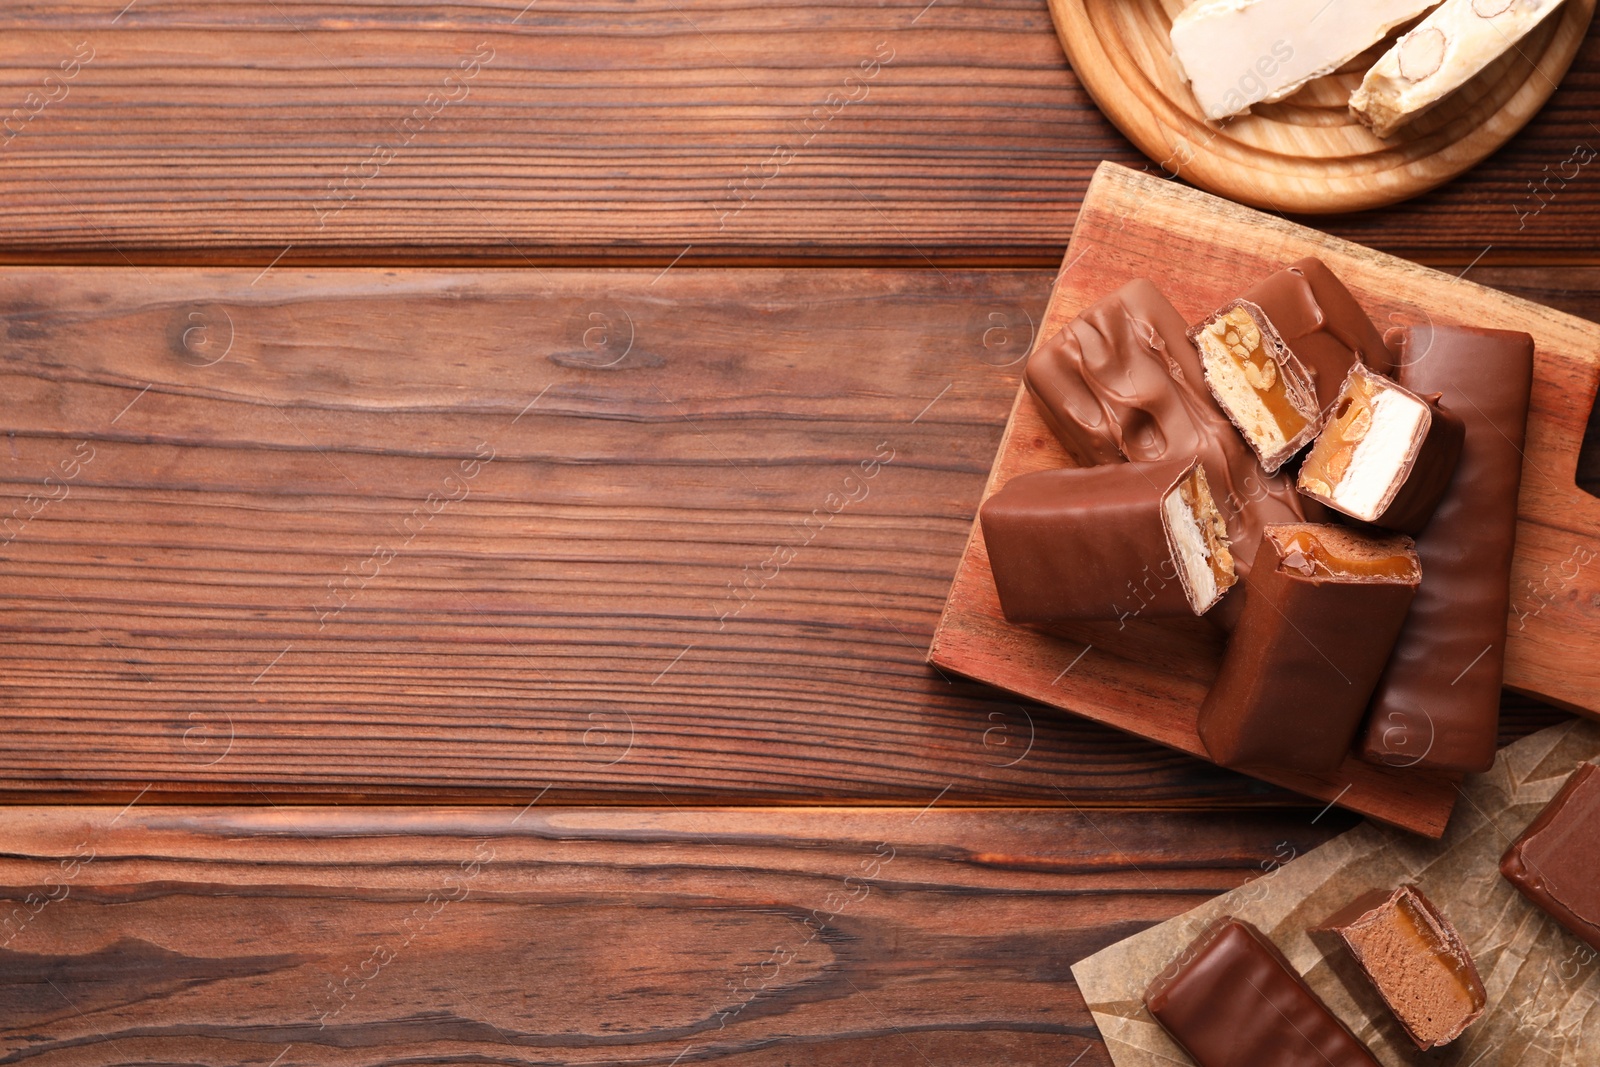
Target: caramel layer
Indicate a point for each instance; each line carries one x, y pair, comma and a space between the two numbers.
1196, 494
1243, 341
1307, 554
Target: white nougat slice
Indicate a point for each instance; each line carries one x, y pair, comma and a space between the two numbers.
1451, 45
1236, 53
1197, 536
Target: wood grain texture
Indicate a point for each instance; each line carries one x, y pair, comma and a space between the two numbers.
242, 557
1305, 154
166, 617
1149, 677
230, 132
366, 937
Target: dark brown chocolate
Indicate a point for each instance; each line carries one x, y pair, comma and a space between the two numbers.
1321, 323
1416, 961
1232, 999
1123, 382
1555, 862
1323, 608
1361, 439
1100, 543
1438, 702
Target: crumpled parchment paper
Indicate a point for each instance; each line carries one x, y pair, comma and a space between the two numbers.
1543, 983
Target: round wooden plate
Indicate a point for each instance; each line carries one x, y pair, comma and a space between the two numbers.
1304, 154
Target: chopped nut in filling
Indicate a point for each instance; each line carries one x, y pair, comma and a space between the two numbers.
1198, 536
1368, 447
1250, 374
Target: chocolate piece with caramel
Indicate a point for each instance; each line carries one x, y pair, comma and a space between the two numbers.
1555, 862
1322, 324
1416, 961
1110, 542
1123, 382
1261, 385
1231, 999
1323, 608
1386, 454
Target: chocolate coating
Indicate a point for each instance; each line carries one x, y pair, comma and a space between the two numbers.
1232, 999
1555, 862
1438, 702
1084, 543
1122, 381
1322, 324
1429, 477
1416, 961
1302, 663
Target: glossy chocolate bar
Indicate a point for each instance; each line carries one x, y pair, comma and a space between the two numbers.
1386, 455
1323, 607
1555, 862
1438, 702
1416, 961
1231, 1000
1118, 541
1123, 382
1322, 324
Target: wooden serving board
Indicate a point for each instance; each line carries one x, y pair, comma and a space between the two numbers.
1306, 153
1149, 677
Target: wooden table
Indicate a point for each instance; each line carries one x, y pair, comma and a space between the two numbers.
556, 781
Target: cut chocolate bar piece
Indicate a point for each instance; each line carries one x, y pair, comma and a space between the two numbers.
1445, 51
1385, 455
1261, 385
1324, 604
1321, 322
1416, 961
1232, 999
1118, 541
1123, 382
1555, 863
1438, 703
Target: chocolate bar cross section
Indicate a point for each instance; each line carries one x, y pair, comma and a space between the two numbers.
1416, 961
1385, 456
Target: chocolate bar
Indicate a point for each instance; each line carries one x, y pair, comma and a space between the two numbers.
1109, 542
1416, 961
1123, 382
1555, 863
1385, 455
1261, 385
1438, 702
1322, 324
1323, 609
1232, 999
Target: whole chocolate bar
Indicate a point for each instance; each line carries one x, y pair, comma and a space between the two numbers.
1231, 999
1438, 702
1111, 542
1123, 382
1322, 324
1386, 455
1555, 862
1321, 614
1416, 961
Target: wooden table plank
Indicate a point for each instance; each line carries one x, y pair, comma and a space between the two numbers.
377, 936
784, 133
234, 583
